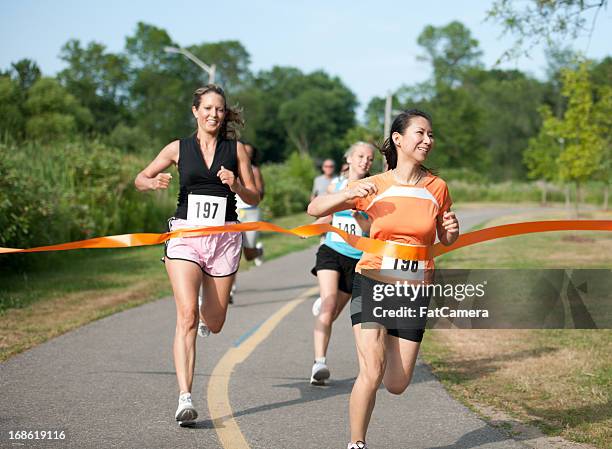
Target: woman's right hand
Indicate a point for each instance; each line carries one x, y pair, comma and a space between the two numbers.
161, 181
360, 190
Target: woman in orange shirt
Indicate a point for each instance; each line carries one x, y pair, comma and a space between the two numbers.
408, 205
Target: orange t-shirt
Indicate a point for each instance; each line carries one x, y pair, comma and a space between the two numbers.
402, 213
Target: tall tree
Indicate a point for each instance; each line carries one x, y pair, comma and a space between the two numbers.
26, 72
508, 101
582, 133
53, 113
231, 59
99, 80
162, 84
11, 116
451, 50
286, 95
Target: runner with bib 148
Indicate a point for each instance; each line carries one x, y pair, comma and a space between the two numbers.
336, 260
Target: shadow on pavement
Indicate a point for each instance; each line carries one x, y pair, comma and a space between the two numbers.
475, 438
275, 289
308, 393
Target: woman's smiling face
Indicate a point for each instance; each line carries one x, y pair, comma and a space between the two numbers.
210, 113
417, 140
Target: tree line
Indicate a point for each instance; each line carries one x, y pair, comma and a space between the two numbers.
139, 99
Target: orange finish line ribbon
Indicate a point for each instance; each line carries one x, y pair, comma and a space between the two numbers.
366, 244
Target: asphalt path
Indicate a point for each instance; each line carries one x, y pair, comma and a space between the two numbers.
112, 383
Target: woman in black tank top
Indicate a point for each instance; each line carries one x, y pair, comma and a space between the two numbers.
213, 168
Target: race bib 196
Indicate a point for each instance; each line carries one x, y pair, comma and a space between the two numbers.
206, 210
347, 224
413, 270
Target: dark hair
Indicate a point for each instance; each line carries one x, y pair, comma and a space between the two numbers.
399, 125
232, 122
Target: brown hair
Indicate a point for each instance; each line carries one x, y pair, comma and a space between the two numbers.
232, 122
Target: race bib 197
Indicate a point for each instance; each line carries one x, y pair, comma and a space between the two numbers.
347, 224
206, 210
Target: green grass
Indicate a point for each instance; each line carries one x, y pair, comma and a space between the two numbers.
557, 380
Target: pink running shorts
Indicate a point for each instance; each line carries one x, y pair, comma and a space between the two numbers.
218, 255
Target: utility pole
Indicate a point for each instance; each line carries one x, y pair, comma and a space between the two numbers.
387, 126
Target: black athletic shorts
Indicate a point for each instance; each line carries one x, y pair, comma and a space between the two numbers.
356, 306
328, 259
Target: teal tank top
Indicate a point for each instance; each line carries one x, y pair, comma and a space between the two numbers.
344, 220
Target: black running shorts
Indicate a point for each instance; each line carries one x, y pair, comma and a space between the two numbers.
356, 307
328, 259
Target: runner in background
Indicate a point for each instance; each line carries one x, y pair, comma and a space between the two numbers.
336, 260
408, 205
210, 162
253, 250
321, 182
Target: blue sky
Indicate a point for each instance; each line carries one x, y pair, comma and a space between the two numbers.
370, 45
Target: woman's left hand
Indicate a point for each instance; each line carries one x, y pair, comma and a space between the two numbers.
227, 177
450, 223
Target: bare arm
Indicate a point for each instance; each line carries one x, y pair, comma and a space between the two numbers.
245, 186
448, 228
152, 178
259, 181
345, 199
322, 220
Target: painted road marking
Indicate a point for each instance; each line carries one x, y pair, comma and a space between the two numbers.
219, 405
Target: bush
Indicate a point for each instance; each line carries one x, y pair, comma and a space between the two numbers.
288, 186
129, 139
58, 193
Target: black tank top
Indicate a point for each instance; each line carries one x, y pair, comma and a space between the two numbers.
196, 177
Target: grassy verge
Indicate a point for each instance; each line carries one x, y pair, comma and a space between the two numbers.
558, 380
85, 285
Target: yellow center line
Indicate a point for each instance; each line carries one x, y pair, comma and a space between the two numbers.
219, 405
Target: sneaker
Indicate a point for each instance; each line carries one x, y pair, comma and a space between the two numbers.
259, 259
357, 445
185, 413
232, 292
320, 373
203, 330
316, 306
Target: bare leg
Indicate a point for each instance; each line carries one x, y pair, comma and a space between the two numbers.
216, 298
332, 303
185, 278
401, 358
371, 353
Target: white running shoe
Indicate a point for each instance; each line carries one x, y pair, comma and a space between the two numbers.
203, 330
259, 259
316, 306
357, 445
320, 373
185, 413
232, 292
